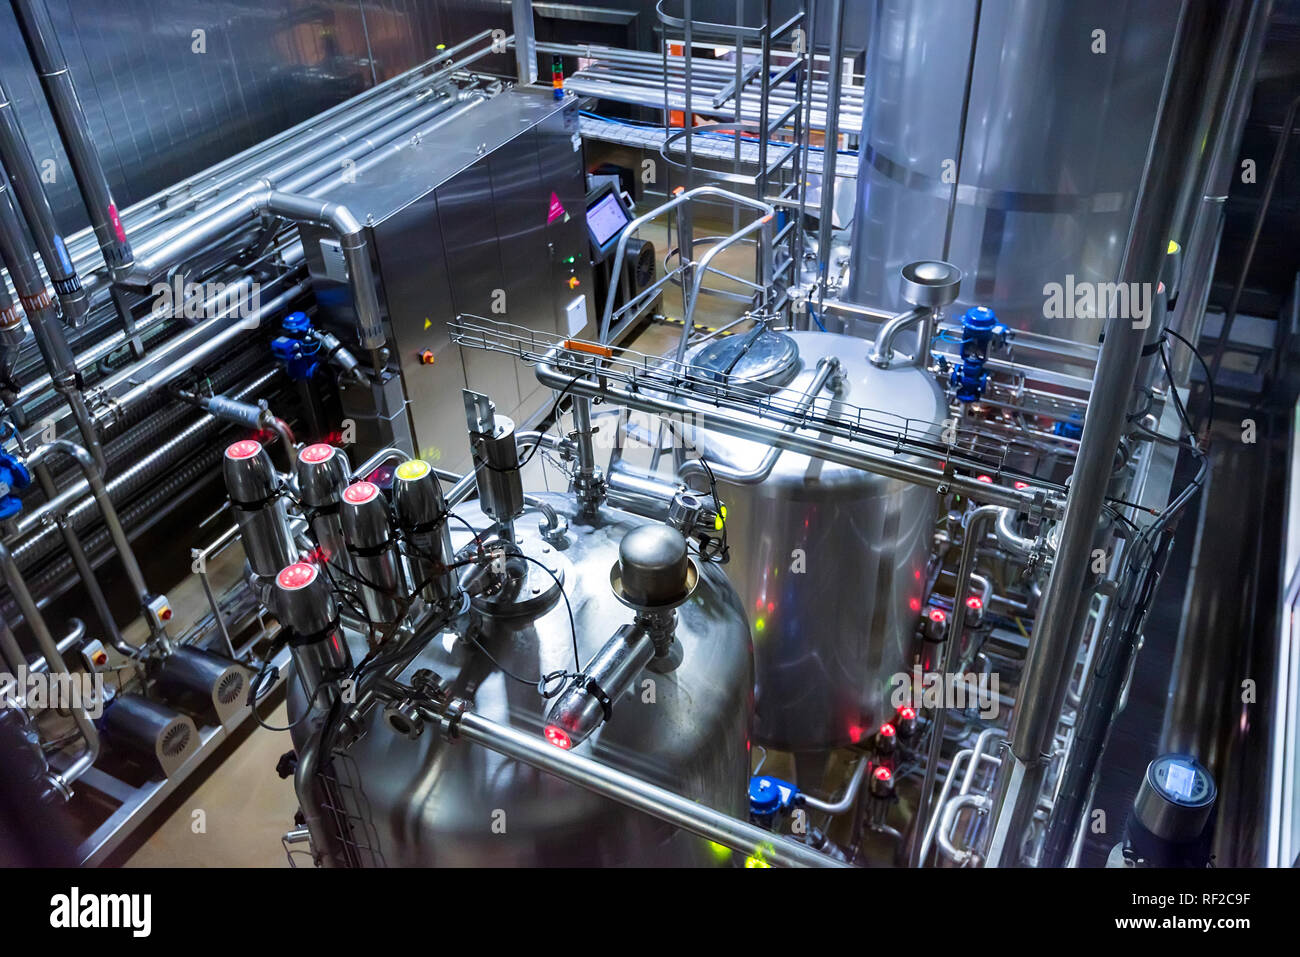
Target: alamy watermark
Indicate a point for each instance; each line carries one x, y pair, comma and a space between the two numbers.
207, 300
1075, 299
934, 689
40, 690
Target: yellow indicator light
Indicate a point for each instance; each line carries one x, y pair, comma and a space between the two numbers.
413, 469
721, 519
756, 862
1173, 247
760, 624
720, 851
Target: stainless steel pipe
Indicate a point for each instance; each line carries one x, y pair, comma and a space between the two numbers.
47, 55
755, 842
856, 456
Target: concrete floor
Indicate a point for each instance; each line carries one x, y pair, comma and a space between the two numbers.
247, 806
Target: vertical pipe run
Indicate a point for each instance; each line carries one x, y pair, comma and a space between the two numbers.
829, 153
525, 42
1050, 658
978, 525
30, 193
47, 54
50, 651
42, 316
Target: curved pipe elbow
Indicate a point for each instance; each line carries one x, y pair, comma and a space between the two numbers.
882, 352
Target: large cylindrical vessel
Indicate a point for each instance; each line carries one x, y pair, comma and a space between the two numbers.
829, 561
423, 801
1062, 106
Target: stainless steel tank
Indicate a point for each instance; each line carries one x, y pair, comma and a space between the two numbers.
829, 561
1063, 101
424, 802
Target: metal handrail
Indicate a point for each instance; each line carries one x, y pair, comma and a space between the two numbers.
682, 198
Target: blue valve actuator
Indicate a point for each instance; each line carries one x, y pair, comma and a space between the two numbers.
980, 331
14, 477
299, 348
769, 796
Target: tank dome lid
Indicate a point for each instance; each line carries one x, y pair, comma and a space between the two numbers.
762, 357
653, 569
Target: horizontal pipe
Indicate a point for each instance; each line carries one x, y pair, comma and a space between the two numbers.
826, 369
719, 420
246, 165
658, 802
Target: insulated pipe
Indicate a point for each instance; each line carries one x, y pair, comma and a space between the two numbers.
292, 258
719, 420
188, 234
658, 802
75, 492
47, 55
30, 193
349, 115
145, 471
12, 334
50, 651
264, 198
1050, 660
43, 318
352, 238
197, 345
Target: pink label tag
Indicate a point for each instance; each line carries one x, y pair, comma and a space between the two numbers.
557, 210
117, 223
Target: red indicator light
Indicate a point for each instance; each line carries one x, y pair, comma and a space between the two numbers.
166, 614
1021, 486
771, 607
974, 603
558, 737
320, 452
244, 449
938, 614
887, 730
986, 479
907, 714
358, 493
883, 773
855, 734
297, 575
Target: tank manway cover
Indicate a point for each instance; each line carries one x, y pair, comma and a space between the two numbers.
766, 357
